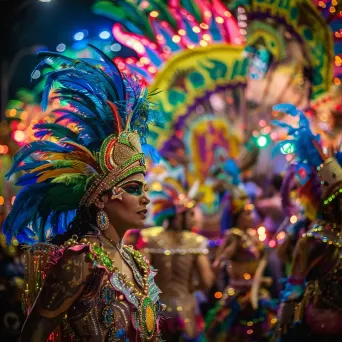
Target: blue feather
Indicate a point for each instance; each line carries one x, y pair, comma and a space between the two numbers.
84, 124
302, 136
30, 164
50, 78
26, 204
55, 130
27, 179
151, 152
55, 57
114, 72
286, 108
25, 236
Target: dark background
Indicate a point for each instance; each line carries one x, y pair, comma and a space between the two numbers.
26, 23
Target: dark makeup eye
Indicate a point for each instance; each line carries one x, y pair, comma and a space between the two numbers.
135, 189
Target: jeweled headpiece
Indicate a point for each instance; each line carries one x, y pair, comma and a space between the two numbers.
97, 140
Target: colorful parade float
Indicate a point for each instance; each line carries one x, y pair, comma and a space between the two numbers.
192, 53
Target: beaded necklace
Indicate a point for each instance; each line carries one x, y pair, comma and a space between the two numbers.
145, 300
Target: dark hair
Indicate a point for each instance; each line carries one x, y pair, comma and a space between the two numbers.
333, 212
171, 219
83, 223
277, 181
235, 218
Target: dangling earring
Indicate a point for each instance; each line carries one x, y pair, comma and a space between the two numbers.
102, 220
117, 193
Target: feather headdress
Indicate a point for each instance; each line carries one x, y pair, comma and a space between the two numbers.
307, 148
110, 114
308, 192
169, 198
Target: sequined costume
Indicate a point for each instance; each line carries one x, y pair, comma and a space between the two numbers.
87, 287
244, 312
311, 301
182, 261
107, 304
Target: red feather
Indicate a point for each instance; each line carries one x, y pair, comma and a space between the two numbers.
116, 116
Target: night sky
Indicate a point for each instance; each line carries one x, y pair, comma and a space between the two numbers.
26, 23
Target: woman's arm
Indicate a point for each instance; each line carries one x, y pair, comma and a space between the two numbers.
227, 250
63, 285
204, 271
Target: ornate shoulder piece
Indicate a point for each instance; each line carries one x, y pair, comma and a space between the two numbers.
198, 244
151, 232
38, 260
98, 255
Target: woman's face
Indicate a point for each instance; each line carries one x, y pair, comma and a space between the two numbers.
189, 219
246, 219
130, 210
184, 220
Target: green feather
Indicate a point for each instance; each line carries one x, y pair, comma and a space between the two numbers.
55, 130
192, 8
164, 13
125, 12
71, 179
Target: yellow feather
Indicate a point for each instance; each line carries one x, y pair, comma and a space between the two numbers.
78, 156
55, 173
80, 147
41, 167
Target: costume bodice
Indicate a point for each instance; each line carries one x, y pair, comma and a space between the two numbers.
174, 254
245, 260
110, 306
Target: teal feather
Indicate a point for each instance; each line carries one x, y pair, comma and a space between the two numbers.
54, 130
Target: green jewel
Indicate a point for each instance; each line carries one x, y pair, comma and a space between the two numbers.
107, 262
98, 250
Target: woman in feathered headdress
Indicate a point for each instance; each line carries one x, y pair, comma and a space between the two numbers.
300, 183
85, 285
180, 255
242, 312
312, 299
